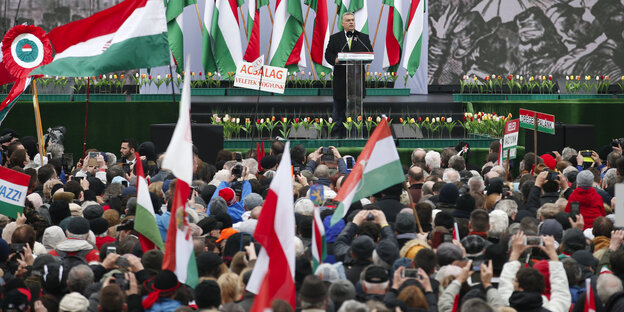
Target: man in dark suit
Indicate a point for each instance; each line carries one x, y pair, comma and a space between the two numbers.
348, 40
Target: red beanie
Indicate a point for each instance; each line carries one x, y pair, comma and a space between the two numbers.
549, 161
228, 194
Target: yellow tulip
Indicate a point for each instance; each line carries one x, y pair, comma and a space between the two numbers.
349, 119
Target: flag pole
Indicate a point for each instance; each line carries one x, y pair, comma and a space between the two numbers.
376, 29
416, 218
201, 27
305, 36
38, 121
84, 139
243, 19
172, 85
271, 36
334, 21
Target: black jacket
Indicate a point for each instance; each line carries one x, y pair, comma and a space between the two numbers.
338, 43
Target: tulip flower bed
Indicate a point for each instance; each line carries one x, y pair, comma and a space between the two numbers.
432, 127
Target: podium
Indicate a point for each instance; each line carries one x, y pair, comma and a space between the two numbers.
354, 63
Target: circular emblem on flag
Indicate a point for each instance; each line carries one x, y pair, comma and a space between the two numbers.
24, 48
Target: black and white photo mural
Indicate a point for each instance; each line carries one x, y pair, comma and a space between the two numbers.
526, 37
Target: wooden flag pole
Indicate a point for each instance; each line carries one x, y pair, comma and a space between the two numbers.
201, 25
334, 21
38, 121
507, 175
376, 30
240, 9
271, 36
416, 218
305, 36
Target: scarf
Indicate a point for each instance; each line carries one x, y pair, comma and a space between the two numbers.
152, 297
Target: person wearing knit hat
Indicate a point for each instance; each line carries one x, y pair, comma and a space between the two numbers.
229, 189
59, 210
590, 203
74, 302
208, 295
75, 209
549, 161
448, 198
99, 227
77, 233
92, 211
553, 228
52, 236
35, 199
162, 290
464, 205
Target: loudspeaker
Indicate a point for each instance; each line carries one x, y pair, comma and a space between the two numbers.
208, 139
566, 135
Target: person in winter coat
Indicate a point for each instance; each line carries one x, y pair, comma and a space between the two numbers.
591, 206
522, 288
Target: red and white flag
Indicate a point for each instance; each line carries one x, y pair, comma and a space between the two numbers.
179, 256
273, 276
590, 302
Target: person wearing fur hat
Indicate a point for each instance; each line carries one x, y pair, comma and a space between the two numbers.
234, 193
162, 290
76, 243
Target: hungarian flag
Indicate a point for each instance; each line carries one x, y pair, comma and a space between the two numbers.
175, 31
224, 34
413, 36
377, 168
179, 256
253, 30
320, 38
319, 246
359, 9
456, 232
132, 34
287, 39
273, 276
590, 302
13, 191
18, 88
394, 35
145, 221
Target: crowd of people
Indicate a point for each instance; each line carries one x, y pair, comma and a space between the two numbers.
460, 234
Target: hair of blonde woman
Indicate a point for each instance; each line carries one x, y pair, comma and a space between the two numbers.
231, 287
413, 297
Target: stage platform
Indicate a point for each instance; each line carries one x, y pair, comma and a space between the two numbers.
203, 107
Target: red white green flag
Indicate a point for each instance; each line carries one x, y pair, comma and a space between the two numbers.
320, 38
319, 245
175, 30
13, 191
179, 256
359, 9
287, 38
413, 37
377, 168
145, 221
132, 34
253, 30
222, 36
394, 35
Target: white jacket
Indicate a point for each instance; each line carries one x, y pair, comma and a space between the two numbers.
560, 298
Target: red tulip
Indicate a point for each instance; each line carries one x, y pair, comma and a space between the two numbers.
419, 119
257, 120
510, 77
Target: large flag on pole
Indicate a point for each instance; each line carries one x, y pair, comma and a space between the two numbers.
320, 38
175, 29
319, 245
413, 36
179, 256
224, 35
377, 168
359, 9
273, 276
145, 221
394, 35
253, 30
132, 34
18, 88
287, 39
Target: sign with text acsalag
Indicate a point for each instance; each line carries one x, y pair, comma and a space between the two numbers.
273, 78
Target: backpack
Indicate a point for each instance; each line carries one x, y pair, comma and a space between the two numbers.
70, 261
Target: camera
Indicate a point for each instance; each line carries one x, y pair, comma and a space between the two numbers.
328, 155
237, 171
552, 176
575, 209
534, 241
616, 142
410, 273
17, 248
370, 217
447, 238
296, 170
121, 280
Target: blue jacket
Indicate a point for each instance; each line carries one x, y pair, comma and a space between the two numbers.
237, 209
163, 224
164, 305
